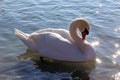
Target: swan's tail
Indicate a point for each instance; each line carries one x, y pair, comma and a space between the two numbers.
21, 35
24, 37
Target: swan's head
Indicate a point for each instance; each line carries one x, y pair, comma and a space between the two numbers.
82, 25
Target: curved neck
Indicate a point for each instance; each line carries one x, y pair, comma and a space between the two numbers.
76, 37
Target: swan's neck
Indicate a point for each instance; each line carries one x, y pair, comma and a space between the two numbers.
77, 39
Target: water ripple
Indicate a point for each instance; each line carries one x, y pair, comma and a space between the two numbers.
31, 15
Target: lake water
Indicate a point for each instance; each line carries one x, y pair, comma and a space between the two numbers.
32, 15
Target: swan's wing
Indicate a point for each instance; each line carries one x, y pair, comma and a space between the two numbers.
64, 33
55, 46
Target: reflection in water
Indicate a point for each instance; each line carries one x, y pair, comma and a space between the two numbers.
116, 57
81, 70
95, 43
97, 12
116, 45
98, 60
100, 5
114, 62
116, 76
116, 54
117, 29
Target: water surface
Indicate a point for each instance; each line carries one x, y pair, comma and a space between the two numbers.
32, 15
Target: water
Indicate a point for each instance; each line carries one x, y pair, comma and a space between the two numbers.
31, 15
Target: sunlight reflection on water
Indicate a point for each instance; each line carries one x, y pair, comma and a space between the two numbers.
116, 76
95, 43
98, 60
114, 62
97, 12
117, 54
117, 29
31, 15
116, 45
100, 5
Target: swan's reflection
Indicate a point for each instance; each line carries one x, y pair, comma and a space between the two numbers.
81, 70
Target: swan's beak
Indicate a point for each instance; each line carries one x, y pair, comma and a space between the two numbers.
84, 35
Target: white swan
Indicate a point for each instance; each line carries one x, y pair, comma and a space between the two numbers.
60, 44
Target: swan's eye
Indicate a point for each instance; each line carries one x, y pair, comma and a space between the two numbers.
86, 31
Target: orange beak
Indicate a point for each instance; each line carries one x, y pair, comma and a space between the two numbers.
83, 35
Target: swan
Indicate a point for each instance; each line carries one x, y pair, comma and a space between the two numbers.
61, 44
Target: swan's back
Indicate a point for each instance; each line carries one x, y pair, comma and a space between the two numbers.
64, 33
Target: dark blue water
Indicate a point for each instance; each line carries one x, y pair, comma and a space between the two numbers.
32, 15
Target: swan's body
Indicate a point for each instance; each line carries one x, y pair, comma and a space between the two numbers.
59, 44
